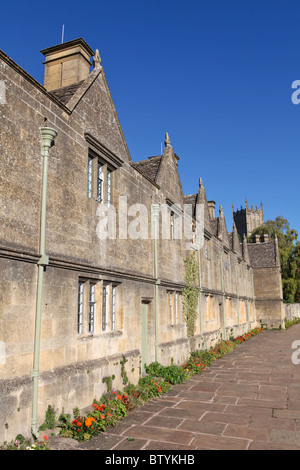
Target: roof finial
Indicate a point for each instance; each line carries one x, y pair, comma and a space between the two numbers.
96, 60
200, 182
167, 140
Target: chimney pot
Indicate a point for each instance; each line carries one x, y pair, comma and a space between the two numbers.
265, 237
211, 208
66, 63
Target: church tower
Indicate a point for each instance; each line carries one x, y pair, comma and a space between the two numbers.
248, 219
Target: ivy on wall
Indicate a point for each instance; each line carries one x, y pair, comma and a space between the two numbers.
191, 297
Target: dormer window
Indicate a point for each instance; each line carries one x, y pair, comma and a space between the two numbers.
101, 165
174, 214
99, 170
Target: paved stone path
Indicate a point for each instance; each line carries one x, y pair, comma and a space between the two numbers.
248, 400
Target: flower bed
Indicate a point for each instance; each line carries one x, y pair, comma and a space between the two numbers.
115, 404
112, 407
245, 337
21, 443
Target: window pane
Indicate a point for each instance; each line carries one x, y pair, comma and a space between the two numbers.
80, 307
108, 199
179, 307
100, 183
171, 308
104, 295
113, 319
90, 177
91, 308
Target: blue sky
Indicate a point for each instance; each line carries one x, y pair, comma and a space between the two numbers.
216, 75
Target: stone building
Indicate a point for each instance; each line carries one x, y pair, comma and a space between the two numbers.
111, 287
247, 220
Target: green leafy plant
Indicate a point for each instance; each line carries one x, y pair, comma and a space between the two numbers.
289, 323
149, 388
21, 443
102, 415
172, 374
108, 381
123, 371
191, 297
50, 419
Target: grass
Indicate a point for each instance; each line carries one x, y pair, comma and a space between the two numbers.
289, 323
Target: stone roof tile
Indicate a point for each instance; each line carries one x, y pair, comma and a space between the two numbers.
149, 167
65, 93
262, 255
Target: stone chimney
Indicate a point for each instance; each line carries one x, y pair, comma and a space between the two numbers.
66, 63
211, 208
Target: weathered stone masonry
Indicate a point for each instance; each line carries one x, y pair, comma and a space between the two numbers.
102, 298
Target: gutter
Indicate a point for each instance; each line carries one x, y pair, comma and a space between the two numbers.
48, 135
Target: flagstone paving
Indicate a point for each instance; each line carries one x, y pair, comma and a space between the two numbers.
248, 400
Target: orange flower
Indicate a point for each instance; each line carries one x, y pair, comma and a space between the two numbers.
119, 397
89, 421
102, 417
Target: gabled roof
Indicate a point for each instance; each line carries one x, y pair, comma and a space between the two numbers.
167, 176
210, 225
191, 200
222, 232
162, 170
71, 96
64, 94
263, 255
149, 167
235, 242
202, 199
245, 250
